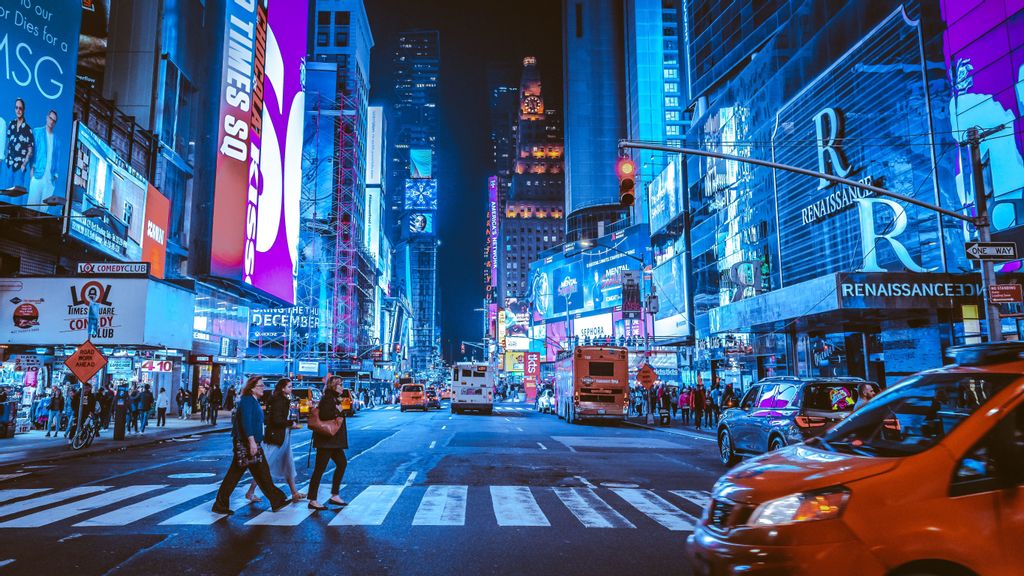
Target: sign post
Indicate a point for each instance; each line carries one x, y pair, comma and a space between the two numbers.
1005, 293
84, 364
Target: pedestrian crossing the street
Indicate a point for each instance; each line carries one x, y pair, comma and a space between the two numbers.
374, 505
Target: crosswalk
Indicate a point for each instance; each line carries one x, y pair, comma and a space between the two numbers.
372, 505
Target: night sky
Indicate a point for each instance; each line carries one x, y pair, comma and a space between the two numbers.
473, 34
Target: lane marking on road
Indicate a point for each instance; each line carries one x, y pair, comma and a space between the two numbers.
392, 418
366, 427
657, 508
698, 497
507, 420
542, 447
301, 444
585, 482
433, 443
203, 515
442, 506
409, 480
590, 509
52, 498
12, 476
51, 515
450, 417
445, 427
291, 515
518, 428
6, 562
140, 510
14, 494
516, 506
372, 447
370, 507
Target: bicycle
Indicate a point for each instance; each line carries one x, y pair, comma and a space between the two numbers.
85, 434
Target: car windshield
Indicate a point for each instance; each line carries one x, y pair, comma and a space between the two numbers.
914, 415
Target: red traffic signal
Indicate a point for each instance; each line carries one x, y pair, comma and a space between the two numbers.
463, 348
626, 170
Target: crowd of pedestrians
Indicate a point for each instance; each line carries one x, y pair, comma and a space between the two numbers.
692, 405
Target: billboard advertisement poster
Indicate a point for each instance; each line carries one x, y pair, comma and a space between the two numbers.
259, 166
517, 317
105, 185
116, 311
517, 343
374, 145
421, 163
154, 241
568, 287
666, 195
38, 56
277, 323
492, 227
598, 326
421, 223
514, 361
555, 339
372, 224
421, 194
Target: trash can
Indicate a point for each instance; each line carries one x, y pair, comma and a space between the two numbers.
663, 418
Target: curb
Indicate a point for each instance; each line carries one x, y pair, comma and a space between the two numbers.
105, 449
688, 434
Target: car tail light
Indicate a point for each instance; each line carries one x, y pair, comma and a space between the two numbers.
810, 421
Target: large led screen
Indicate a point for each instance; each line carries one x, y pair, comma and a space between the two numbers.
420, 194
38, 55
421, 163
666, 196
374, 145
421, 223
259, 166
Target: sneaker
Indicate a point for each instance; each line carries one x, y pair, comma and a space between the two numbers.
47, 434
218, 509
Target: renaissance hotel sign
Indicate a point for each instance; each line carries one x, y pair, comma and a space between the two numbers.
862, 136
892, 290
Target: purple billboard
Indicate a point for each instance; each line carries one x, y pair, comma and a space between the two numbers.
259, 169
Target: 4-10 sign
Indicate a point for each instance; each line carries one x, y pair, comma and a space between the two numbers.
157, 366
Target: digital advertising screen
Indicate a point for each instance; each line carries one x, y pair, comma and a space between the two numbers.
666, 196
372, 224
421, 223
420, 194
37, 93
374, 145
259, 165
421, 163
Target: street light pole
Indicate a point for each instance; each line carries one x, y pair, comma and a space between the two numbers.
980, 222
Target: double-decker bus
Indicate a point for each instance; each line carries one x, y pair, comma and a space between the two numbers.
592, 382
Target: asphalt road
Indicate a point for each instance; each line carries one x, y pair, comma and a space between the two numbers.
511, 493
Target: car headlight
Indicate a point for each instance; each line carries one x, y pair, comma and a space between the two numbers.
803, 507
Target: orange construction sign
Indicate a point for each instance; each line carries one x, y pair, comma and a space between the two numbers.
646, 376
86, 361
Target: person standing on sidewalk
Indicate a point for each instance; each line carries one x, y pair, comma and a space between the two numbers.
684, 405
215, 399
277, 440
247, 454
329, 448
714, 405
180, 399
53, 412
204, 404
146, 404
698, 403
163, 402
106, 399
134, 406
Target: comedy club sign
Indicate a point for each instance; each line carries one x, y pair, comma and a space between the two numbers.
71, 310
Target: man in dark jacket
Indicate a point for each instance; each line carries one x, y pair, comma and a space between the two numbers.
329, 448
699, 403
145, 405
215, 400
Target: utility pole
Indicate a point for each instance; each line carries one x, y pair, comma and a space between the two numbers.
982, 224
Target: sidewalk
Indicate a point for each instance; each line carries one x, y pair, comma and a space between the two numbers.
675, 427
34, 446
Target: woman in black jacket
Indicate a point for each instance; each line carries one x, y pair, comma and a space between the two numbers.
329, 448
277, 440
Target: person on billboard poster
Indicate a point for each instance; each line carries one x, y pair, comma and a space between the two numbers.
46, 160
20, 143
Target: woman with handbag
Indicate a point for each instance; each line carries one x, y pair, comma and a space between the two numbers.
330, 438
277, 440
246, 435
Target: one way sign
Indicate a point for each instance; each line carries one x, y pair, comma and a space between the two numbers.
999, 251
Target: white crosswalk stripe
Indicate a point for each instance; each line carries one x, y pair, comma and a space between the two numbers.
590, 509
51, 515
442, 506
157, 504
657, 508
435, 505
516, 506
370, 507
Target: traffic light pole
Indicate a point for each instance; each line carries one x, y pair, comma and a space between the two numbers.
980, 222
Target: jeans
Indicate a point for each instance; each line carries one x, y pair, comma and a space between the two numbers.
53, 421
144, 419
698, 416
161, 416
213, 415
133, 422
260, 473
323, 457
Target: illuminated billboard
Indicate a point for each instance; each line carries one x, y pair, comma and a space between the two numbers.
666, 196
421, 163
421, 223
372, 223
37, 93
255, 229
420, 194
374, 145
492, 227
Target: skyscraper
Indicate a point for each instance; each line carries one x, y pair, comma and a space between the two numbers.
595, 104
412, 197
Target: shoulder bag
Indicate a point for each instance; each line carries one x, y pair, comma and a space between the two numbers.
328, 428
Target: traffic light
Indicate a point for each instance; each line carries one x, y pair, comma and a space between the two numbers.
463, 347
626, 170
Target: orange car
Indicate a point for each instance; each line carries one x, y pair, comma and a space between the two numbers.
412, 396
925, 479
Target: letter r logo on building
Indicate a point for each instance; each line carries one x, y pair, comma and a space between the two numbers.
828, 125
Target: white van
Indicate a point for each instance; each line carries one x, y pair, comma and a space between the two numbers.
472, 387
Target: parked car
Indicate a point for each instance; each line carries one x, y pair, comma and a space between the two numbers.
784, 410
304, 398
926, 479
546, 402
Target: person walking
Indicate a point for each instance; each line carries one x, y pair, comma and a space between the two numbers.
54, 409
180, 399
145, 405
187, 412
230, 402
134, 407
247, 454
729, 399
329, 448
277, 440
106, 397
674, 401
698, 403
204, 404
714, 405
163, 402
214, 400
684, 405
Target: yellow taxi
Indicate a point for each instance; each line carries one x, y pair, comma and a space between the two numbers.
304, 398
348, 405
926, 479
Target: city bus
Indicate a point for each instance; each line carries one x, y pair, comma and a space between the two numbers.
472, 387
592, 382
